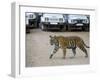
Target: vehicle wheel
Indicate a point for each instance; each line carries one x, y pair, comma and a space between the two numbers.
86, 28
83, 29
69, 28
66, 27
27, 29
61, 29
43, 28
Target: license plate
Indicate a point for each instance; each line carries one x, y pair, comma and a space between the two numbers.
79, 24
53, 23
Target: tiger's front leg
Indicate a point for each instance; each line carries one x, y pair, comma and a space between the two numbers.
54, 51
74, 51
64, 53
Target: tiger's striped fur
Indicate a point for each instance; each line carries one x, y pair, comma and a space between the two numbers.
71, 42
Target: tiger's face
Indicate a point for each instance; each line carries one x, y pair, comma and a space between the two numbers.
52, 40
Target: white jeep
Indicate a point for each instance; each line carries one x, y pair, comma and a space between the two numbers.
52, 21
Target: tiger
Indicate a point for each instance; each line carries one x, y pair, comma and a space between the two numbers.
70, 42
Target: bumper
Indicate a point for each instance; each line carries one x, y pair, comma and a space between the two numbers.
52, 23
78, 25
49, 25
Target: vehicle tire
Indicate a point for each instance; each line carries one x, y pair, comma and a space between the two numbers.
27, 29
69, 27
61, 29
86, 28
43, 27
83, 28
66, 27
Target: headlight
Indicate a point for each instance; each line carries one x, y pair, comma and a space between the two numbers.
85, 21
46, 19
73, 21
60, 20
30, 16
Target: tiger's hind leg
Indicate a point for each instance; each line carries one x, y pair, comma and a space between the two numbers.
74, 51
84, 50
64, 53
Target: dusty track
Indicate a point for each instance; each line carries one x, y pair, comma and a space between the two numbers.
38, 49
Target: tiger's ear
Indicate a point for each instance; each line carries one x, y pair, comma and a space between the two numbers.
50, 36
54, 36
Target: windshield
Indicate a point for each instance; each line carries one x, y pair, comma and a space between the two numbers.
77, 16
53, 15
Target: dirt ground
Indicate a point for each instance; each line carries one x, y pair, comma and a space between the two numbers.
38, 49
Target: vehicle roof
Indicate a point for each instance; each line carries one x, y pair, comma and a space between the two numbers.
53, 15
30, 13
77, 16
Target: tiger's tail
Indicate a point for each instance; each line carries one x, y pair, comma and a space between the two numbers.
85, 45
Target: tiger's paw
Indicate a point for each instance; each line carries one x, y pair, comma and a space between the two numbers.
86, 56
50, 56
63, 57
72, 57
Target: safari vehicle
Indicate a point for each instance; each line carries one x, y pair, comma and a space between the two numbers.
52, 21
31, 20
78, 22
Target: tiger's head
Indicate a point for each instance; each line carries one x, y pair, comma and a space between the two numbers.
53, 40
